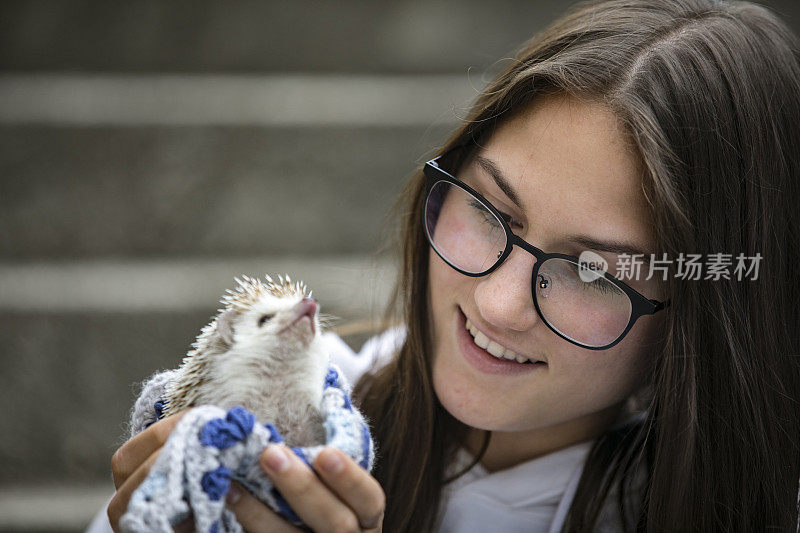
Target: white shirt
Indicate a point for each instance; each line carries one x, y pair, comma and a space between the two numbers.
533, 496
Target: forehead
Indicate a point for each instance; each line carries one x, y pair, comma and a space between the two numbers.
574, 169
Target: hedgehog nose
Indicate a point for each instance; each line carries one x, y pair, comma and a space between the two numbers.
308, 307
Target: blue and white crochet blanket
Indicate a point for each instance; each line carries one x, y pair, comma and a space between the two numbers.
209, 447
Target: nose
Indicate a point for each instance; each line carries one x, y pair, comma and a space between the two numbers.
306, 307
504, 297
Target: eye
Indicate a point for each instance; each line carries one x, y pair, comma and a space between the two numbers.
480, 208
264, 319
511, 221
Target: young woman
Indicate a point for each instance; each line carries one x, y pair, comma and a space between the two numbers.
659, 128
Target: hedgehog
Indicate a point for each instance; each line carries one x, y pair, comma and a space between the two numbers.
262, 351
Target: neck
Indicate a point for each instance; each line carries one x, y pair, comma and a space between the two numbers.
510, 448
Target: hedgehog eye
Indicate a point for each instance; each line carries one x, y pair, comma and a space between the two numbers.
264, 319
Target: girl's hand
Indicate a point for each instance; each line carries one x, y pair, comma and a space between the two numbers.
346, 498
132, 461
342, 496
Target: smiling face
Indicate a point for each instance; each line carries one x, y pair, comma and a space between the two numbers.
565, 176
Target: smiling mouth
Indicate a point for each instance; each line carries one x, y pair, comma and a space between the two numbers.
495, 349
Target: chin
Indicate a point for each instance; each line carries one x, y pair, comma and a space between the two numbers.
470, 403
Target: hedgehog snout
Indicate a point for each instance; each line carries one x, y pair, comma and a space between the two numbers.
307, 307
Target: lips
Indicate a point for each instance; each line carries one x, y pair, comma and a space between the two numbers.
484, 361
496, 349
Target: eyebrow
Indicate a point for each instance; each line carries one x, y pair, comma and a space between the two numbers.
489, 166
611, 246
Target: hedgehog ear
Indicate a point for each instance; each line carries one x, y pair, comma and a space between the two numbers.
225, 326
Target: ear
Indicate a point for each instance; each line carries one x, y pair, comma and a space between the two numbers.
225, 326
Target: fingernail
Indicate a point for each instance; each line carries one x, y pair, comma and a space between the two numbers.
234, 493
275, 458
331, 462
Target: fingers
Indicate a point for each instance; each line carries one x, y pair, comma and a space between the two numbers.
253, 515
132, 461
354, 485
130, 455
339, 496
309, 497
119, 503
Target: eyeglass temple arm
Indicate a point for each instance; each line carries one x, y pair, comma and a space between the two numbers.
659, 305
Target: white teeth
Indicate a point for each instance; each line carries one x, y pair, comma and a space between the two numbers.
482, 340
492, 347
495, 349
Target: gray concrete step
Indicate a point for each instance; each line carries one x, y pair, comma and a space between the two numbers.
251, 35
77, 192
68, 380
51, 508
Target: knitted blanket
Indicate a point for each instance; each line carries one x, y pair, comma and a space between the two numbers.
209, 447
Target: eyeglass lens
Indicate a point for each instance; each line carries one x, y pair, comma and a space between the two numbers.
587, 309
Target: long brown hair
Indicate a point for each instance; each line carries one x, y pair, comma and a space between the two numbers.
710, 94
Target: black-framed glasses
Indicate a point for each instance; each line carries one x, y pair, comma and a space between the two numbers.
591, 309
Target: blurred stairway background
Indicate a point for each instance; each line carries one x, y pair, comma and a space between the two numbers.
152, 150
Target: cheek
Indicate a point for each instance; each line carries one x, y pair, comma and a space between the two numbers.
445, 286
610, 376
453, 382
595, 382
